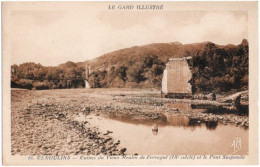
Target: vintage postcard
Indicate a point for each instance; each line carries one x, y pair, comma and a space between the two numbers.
130, 83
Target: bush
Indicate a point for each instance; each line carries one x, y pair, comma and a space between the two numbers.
41, 85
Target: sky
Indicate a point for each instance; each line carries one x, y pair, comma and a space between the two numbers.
53, 35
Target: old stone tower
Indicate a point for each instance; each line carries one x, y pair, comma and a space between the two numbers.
176, 78
87, 74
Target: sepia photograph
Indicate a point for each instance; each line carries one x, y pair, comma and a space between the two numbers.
164, 81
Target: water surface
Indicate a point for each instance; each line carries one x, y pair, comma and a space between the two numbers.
175, 136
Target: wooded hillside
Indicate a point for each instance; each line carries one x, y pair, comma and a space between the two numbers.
215, 68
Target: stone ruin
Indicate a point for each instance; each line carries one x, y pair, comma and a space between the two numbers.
176, 78
87, 86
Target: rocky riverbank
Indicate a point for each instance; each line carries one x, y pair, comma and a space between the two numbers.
44, 125
52, 122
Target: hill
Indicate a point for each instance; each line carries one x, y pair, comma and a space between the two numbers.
215, 68
128, 56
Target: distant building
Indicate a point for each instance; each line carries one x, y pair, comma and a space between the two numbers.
176, 78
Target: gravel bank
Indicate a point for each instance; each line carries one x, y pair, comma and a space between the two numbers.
52, 122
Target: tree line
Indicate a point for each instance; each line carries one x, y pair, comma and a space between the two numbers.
35, 76
144, 73
214, 68
220, 69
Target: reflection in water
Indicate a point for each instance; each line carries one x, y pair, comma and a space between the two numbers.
194, 122
155, 132
155, 129
177, 120
182, 120
211, 125
137, 137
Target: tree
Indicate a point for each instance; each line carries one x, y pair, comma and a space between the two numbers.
121, 73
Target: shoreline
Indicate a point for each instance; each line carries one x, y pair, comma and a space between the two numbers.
45, 122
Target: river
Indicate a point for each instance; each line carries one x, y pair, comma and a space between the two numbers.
175, 136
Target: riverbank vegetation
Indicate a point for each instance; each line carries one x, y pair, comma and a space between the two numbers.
219, 68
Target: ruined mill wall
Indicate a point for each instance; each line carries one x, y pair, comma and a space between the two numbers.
176, 77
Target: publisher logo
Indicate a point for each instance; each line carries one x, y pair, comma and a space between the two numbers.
236, 144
